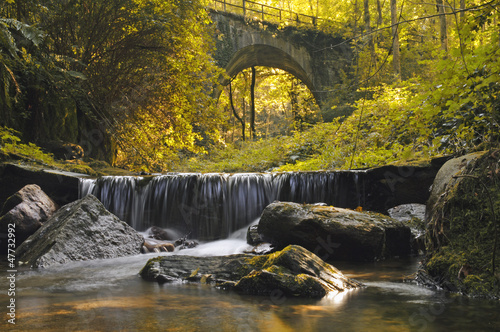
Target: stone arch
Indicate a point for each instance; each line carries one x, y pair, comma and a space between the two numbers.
267, 56
318, 59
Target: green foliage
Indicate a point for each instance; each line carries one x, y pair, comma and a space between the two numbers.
141, 72
137, 71
250, 156
10, 143
35, 89
282, 103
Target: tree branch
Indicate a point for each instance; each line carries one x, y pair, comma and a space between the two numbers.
408, 21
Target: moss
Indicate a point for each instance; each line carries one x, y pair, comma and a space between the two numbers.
258, 261
468, 230
446, 263
150, 265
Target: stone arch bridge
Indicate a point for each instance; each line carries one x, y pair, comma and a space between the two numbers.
319, 60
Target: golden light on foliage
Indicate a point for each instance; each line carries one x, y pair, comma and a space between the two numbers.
142, 75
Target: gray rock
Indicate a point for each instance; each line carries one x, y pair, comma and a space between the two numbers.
412, 215
407, 212
253, 237
61, 186
445, 180
82, 230
294, 271
334, 233
27, 209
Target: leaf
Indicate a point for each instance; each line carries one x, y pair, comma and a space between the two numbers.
76, 74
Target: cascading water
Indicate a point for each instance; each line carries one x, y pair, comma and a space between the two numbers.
211, 206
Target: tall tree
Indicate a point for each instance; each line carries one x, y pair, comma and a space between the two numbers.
396, 58
149, 72
252, 104
241, 119
443, 30
368, 31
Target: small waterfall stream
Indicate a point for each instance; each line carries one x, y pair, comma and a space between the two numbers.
212, 206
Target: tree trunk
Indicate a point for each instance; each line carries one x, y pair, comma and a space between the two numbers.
240, 119
442, 25
396, 59
380, 17
368, 32
462, 13
294, 104
252, 105
20, 11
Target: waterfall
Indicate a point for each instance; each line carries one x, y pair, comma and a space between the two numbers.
212, 206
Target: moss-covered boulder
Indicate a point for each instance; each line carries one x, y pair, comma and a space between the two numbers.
293, 271
82, 230
334, 233
463, 226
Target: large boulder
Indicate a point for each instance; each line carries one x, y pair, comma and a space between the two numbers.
294, 271
27, 209
82, 230
463, 226
446, 179
334, 233
61, 186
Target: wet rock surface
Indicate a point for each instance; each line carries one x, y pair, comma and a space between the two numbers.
253, 236
82, 230
294, 271
412, 215
27, 209
334, 233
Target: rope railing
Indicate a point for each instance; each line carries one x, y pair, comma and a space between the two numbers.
263, 12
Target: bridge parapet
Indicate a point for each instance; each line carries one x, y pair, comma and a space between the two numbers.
264, 12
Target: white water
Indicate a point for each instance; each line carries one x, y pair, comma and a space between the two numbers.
212, 206
236, 243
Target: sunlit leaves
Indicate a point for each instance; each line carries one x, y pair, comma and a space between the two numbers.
149, 73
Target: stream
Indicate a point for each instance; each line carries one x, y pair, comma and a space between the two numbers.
109, 295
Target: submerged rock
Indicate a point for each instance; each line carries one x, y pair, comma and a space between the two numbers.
28, 209
294, 271
185, 243
335, 233
82, 230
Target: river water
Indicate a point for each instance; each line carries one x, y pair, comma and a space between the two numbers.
109, 295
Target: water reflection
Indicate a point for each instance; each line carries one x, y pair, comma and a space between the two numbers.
108, 295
